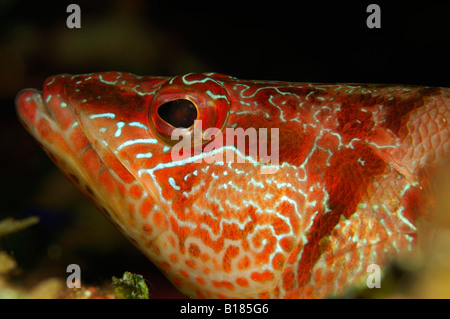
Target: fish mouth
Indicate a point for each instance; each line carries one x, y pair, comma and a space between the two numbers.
38, 118
55, 124
40, 121
55, 128
30, 103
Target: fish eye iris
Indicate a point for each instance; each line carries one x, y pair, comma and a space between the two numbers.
179, 113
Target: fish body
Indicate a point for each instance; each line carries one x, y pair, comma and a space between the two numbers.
336, 179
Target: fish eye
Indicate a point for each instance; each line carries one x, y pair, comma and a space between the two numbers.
180, 113
190, 103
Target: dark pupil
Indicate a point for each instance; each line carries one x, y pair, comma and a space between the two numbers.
178, 113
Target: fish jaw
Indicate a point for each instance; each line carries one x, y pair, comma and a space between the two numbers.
36, 116
99, 135
54, 121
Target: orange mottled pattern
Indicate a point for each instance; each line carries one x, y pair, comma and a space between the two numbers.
353, 174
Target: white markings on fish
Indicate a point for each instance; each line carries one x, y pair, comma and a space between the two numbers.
107, 82
138, 124
195, 81
119, 128
217, 96
110, 115
144, 155
53, 80
138, 141
173, 184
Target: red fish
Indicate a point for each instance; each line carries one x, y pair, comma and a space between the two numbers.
353, 172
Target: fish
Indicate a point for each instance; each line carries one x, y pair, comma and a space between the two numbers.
249, 189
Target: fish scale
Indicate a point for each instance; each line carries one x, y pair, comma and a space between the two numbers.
355, 167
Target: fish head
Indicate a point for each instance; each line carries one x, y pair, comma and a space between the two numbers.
118, 137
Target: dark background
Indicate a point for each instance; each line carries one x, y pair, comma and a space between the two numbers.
290, 41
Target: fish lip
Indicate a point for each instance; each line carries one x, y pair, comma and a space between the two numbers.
24, 108
19, 96
29, 113
31, 107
